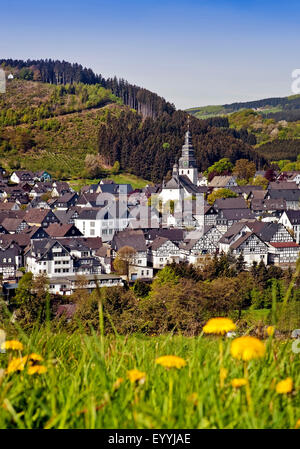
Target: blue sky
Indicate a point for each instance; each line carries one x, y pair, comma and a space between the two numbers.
191, 52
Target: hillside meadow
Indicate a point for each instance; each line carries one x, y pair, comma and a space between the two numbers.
89, 383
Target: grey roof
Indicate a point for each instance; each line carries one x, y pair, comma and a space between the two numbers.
175, 235
230, 203
282, 185
157, 243
288, 195
293, 216
232, 232
237, 214
128, 237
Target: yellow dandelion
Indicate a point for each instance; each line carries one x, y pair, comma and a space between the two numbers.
297, 425
170, 361
247, 348
14, 345
238, 382
35, 357
285, 386
16, 364
219, 326
135, 375
270, 330
193, 398
37, 369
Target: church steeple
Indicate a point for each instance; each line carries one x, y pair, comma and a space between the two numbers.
187, 162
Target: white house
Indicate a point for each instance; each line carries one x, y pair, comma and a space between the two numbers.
162, 251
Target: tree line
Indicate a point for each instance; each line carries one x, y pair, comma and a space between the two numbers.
147, 103
149, 148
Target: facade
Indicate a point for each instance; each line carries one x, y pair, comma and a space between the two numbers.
161, 252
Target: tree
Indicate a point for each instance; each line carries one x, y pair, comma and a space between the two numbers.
260, 181
270, 175
116, 168
223, 166
244, 169
220, 193
123, 260
23, 292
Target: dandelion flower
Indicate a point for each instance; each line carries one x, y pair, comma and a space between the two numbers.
247, 348
297, 426
14, 345
219, 326
270, 330
35, 357
36, 369
16, 364
170, 361
285, 386
135, 375
237, 383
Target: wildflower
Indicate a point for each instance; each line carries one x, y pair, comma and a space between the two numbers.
135, 375
170, 361
285, 386
14, 345
35, 357
17, 364
117, 383
36, 369
219, 326
270, 330
237, 383
247, 348
297, 426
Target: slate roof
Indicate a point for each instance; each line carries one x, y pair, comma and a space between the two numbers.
60, 230
282, 185
12, 224
287, 195
230, 203
157, 243
293, 216
128, 237
237, 214
175, 235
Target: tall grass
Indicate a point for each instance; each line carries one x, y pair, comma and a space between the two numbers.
78, 389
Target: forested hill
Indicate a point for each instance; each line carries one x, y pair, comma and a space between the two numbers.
49, 71
277, 108
149, 148
55, 125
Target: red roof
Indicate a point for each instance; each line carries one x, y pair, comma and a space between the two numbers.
284, 244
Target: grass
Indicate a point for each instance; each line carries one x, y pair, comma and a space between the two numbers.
79, 390
122, 178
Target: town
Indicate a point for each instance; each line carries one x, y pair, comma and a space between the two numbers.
48, 228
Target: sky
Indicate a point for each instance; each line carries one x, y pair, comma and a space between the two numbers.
191, 52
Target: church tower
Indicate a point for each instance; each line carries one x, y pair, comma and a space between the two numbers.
187, 162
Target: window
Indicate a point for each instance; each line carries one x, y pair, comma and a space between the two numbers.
92, 224
139, 262
92, 231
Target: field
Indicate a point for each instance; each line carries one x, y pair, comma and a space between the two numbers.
86, 384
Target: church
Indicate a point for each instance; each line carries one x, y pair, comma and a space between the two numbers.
183, 183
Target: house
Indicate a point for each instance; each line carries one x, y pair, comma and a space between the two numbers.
10, 260
219, 182
291, 220
134, 239
235, 231
103, 221
227, 217
210, 215
43, 176
291, 197
60, 188
281, 253
161, 252
252, 247
66, 201
40, 217
6, 206
270, 232
14, 225
57, 230
22, 176
198, 243
68, 284
230, 203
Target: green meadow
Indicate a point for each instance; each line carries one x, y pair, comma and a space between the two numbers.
86, 384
